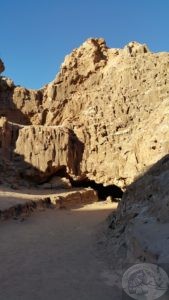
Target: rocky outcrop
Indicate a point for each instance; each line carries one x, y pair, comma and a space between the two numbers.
8, 135
49, 149
18, 104
104, 117
114, 100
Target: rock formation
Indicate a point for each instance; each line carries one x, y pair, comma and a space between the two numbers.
139, 228
49, 149
104, 117
114, 100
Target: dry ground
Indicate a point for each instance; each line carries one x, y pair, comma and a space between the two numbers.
53, 255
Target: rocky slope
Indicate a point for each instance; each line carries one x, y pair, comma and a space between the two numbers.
139, 230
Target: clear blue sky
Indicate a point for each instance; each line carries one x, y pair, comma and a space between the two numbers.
37, 34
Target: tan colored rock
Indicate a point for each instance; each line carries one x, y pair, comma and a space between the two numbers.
20, 105
21, 203
49, 149
116, 102
106, 117
57, 183
28, 102
75, 197
8, 137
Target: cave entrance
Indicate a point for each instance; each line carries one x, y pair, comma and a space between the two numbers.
103, 191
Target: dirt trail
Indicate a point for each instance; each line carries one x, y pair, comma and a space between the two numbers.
52, 255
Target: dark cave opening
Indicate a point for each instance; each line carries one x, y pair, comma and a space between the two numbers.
103, 192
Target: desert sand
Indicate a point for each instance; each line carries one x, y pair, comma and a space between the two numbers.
54, 254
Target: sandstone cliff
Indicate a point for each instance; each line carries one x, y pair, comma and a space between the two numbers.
114, 100
104, 117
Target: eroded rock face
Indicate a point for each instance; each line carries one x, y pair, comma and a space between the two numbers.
141, 222
105, 117
28, 102
49, 149
115, 101
18, 104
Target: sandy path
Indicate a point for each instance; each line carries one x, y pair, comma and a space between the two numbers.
52, 255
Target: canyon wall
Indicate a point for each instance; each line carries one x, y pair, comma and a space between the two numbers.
104, 117
116, 103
